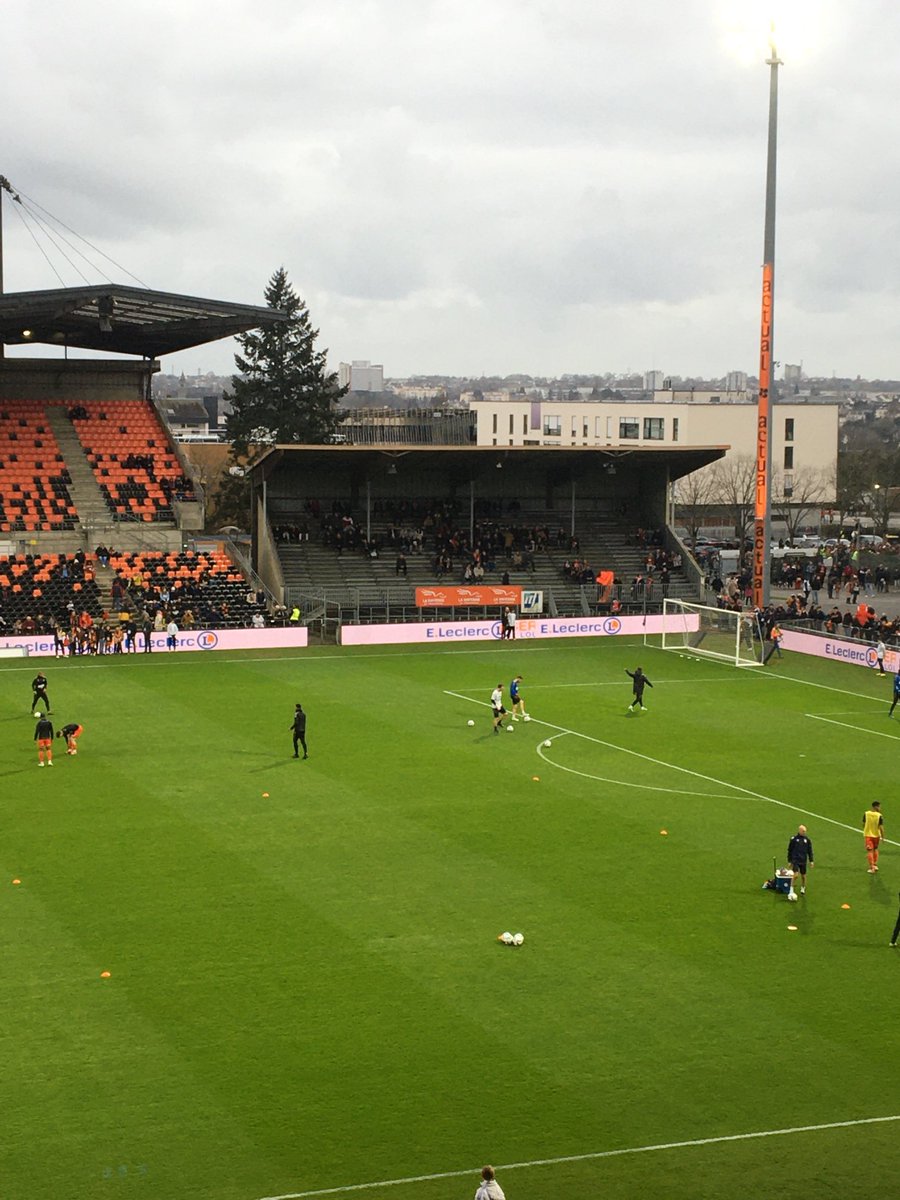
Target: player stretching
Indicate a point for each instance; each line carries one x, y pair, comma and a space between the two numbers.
71, 733
39, 687
516, 699
43, 735
639, 681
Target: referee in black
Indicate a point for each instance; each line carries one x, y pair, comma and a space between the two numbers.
299, 730
799, 854
39, 687
896, 932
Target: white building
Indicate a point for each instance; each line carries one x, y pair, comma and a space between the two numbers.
736, 381
653, 381
804, 435
361, 376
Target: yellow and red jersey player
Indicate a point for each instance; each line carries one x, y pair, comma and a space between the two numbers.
43, 735
71, 733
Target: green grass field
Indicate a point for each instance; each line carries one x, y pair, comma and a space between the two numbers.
305, 988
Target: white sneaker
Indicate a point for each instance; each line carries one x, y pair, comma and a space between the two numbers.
50, 763
803, 891
40, 764
643, 709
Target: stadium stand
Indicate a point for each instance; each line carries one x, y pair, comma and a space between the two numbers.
132, 458
34, 494
39, 593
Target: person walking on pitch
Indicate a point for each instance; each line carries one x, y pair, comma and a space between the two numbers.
299, 730
873, 832
799, 853
43, 735
638, 682
896, 932
896, 694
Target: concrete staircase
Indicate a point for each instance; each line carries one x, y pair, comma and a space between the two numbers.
93, 512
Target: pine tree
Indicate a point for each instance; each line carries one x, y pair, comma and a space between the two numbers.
284, 392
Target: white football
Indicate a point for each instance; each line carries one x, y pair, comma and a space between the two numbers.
506, 938
509, 729
518, 939
36, 714
547, 743
470, 723
792, 896
527, 718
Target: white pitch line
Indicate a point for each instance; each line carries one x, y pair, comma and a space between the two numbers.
645, 787
659, 762
856, 728
591, 1157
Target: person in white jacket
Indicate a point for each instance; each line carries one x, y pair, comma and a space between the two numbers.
490, 1189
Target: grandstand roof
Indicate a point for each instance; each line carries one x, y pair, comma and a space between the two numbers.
470, 462
124, 320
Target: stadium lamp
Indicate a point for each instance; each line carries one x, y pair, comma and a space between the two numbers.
26, 333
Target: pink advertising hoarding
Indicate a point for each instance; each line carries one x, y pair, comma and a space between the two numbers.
452, 632
860, 654
194, 639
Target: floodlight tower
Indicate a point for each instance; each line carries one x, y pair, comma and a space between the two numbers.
762, 525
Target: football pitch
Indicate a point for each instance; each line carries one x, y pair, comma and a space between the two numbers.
306, 995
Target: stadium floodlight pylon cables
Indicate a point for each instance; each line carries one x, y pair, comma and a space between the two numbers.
734, 637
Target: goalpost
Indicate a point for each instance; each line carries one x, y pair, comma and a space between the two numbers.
709, 632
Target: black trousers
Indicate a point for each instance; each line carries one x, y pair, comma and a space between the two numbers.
896, 932
299, 740
41, 695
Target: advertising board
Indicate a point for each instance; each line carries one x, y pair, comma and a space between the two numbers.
454, 632
41, 645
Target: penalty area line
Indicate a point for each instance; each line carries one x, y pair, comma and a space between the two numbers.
891, 737
594, 1156
660, 762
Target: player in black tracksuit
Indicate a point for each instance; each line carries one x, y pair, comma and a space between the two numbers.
639, 681
39, 687
299, 730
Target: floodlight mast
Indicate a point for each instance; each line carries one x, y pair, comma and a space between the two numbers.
762, 525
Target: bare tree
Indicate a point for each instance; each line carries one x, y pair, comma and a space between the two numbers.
808, 491
734, 490
693, 495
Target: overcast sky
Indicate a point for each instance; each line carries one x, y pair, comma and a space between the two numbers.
474, 186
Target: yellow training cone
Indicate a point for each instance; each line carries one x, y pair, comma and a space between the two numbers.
17, 881
104, 974
845, 906
664, 833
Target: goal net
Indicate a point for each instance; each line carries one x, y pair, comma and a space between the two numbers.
712, 632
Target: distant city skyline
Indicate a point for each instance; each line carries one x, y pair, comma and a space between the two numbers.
472, 189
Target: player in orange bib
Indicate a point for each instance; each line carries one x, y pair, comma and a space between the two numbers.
71, 733
43, 735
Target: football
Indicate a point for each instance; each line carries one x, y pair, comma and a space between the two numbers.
518, 939
506, 939
509, 729
792, 895
547, 743
470, 724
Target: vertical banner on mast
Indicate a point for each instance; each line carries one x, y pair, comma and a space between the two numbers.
763, 434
